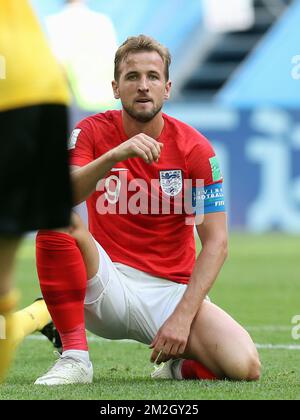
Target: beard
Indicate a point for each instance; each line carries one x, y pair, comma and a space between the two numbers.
143, 116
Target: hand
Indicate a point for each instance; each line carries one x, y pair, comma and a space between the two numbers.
171, 340
141, 146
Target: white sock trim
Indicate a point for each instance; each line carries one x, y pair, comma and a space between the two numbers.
78, 354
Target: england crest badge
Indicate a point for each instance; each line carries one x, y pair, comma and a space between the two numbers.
171, 182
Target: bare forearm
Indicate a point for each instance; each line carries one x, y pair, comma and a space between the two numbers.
206, 270
85, 179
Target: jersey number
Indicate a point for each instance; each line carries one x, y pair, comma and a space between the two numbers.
112, 195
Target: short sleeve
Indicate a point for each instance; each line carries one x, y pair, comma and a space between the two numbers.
81, 145
207, 180
203, 163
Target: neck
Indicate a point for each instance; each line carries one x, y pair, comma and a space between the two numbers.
152, 128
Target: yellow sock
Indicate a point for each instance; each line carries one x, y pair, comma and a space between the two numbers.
7, 330
31, 319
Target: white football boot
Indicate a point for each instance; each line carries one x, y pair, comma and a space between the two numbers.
67, 371
168, 370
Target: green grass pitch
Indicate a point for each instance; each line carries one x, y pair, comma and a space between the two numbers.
259, 286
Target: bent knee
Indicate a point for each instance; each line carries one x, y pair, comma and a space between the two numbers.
253, 369
247, 368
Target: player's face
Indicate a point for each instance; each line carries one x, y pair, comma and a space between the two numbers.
142, 86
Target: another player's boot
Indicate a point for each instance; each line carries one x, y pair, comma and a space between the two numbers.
67, 371
53, 336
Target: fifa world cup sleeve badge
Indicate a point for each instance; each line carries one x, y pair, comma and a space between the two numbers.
215, 169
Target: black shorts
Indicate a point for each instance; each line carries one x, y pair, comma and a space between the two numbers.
35, 190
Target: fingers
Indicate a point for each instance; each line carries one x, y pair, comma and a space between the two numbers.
181, 349
162, 350
150, 146
150, 151
163, 355
165, 348
141, 146
153, 145
157, 357
167, 353
155, 340
142, 152
158, 350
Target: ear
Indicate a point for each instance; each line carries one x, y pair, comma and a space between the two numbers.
115, 89
168, 90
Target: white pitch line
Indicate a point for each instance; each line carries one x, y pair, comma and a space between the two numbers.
278, 346
91, 339
100, 340
271, 328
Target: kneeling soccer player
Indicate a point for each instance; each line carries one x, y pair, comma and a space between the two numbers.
134, 274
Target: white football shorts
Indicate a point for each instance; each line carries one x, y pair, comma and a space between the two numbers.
124, 303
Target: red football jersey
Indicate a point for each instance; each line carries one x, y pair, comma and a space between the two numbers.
137, 213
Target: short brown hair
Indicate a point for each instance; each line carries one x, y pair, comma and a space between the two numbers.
141, 43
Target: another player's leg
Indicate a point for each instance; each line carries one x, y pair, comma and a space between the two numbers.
218, 348
8, 302
62, 259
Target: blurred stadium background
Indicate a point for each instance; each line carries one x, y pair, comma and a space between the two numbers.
236, 76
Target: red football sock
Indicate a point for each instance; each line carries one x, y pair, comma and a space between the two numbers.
191, 369
63, 281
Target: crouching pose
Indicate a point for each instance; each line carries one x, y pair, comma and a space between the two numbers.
134, 273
